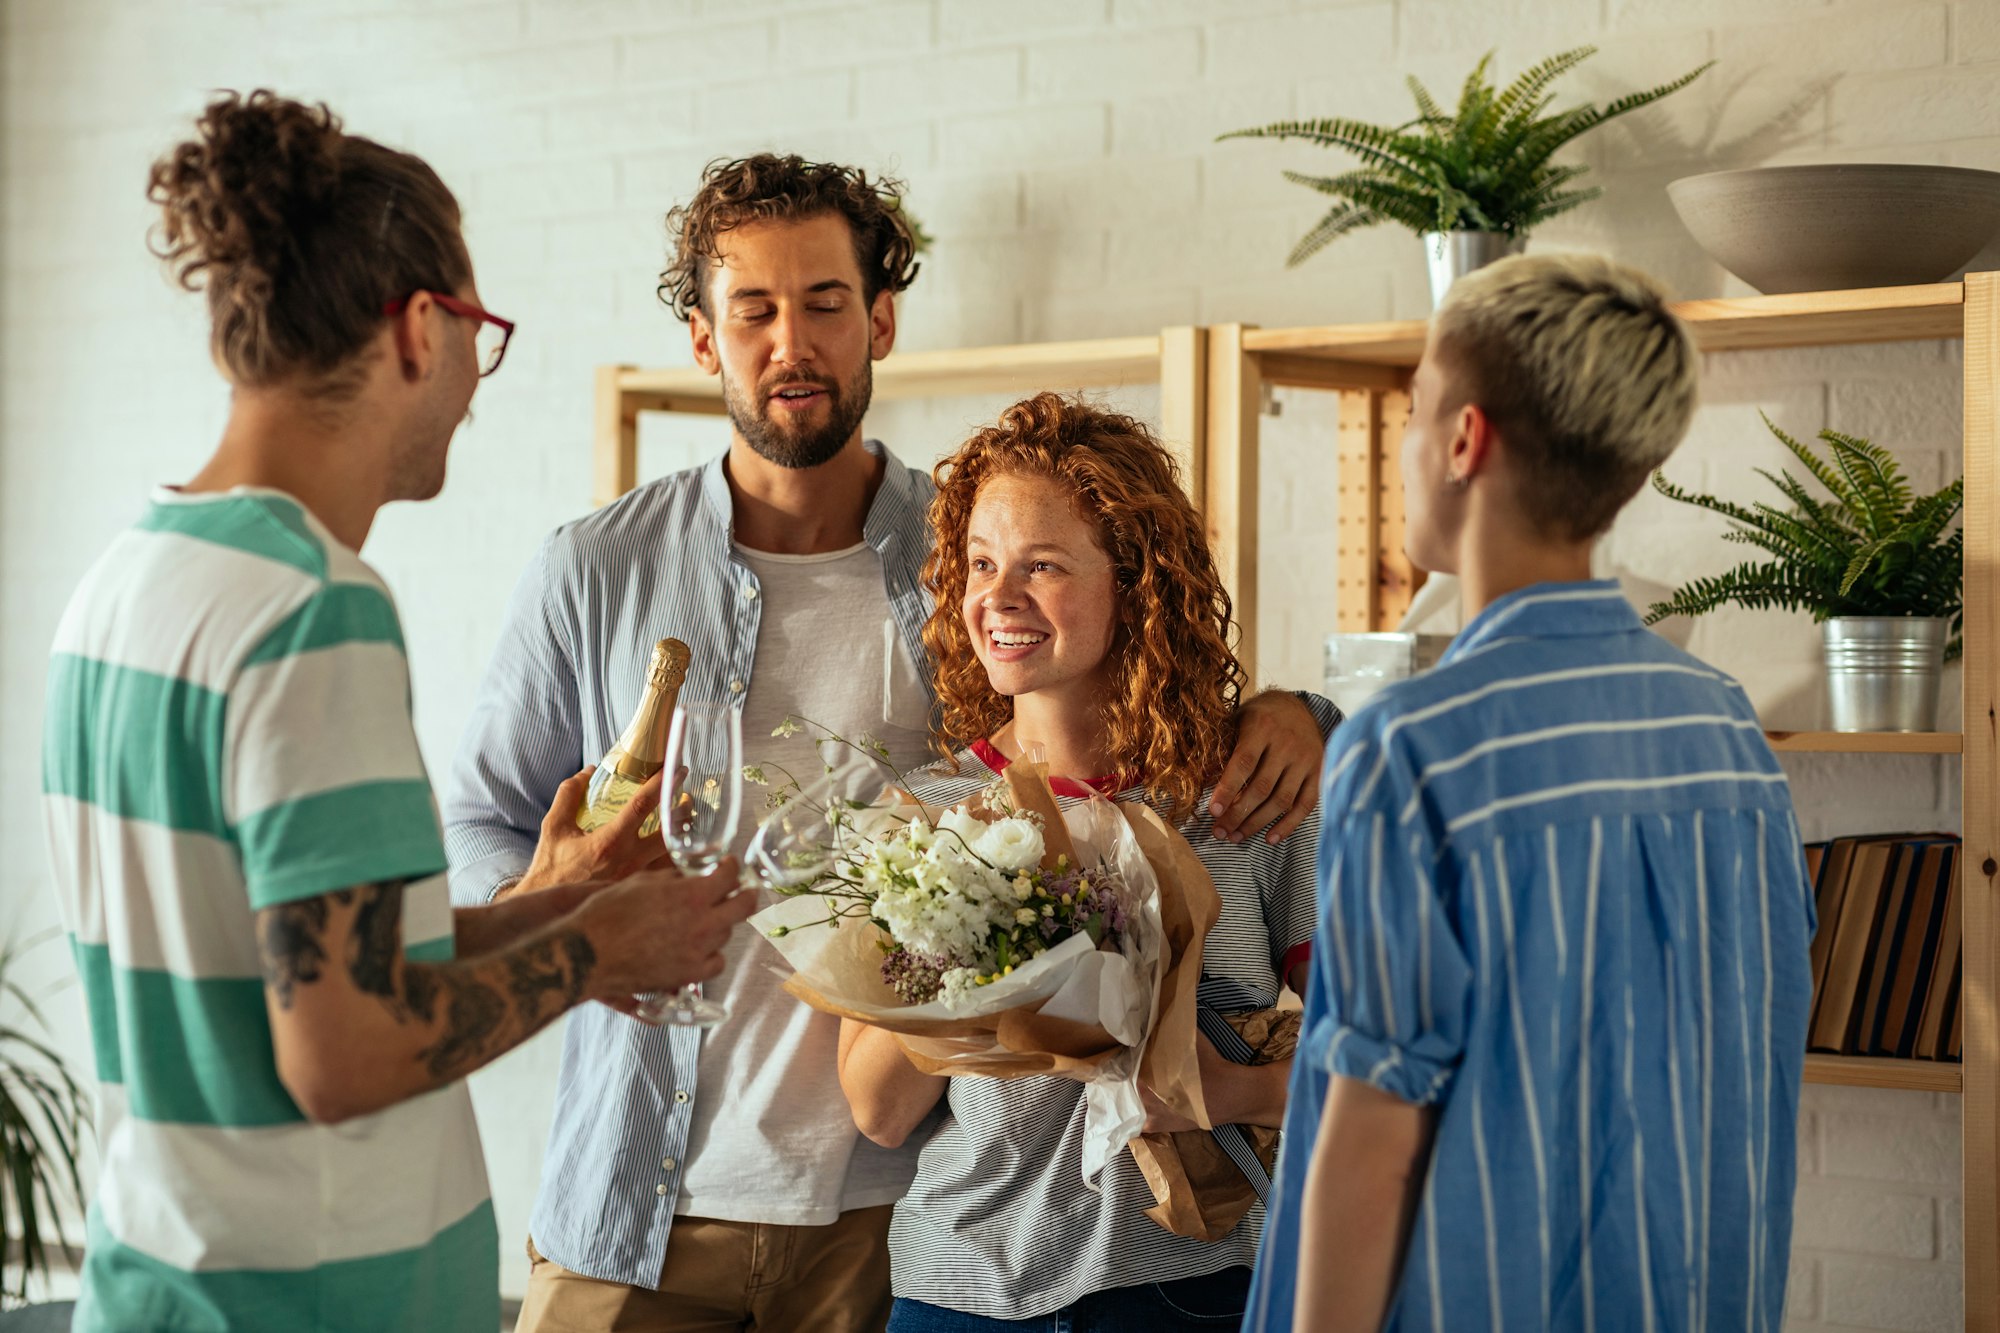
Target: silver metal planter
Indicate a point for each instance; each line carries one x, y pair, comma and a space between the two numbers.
1453, 254
1882, 672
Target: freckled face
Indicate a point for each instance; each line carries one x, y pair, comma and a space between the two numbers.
1040, 590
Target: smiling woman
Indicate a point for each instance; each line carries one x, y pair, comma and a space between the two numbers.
1078, 608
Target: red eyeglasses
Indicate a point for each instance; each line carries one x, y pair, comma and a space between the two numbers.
494, 333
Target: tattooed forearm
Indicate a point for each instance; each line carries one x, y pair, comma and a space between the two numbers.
375, 942
291, 946
464, 1012
476, 1012
541, 981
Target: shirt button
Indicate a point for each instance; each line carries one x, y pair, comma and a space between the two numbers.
681, 1097
750, 593
736, 686
666, 1163
660, 1190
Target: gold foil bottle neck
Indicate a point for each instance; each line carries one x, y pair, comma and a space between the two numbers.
669, 666
642, 750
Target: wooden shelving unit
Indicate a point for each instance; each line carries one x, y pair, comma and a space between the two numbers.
1866, 742
1369, 364
1867, 1071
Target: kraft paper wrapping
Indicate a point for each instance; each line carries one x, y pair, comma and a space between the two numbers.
1107, 1018
1200, 1192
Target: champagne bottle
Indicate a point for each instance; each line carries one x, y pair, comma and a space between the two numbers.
642, 750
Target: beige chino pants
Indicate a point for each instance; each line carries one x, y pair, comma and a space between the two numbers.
731, 1277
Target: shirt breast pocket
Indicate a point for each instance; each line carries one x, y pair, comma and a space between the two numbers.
906, 699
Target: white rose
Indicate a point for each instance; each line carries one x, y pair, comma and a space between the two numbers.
964, 825
1011, 844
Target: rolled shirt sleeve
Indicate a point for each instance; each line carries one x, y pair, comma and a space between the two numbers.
523, 739
1396, 978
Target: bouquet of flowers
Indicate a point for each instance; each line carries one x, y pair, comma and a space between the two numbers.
1007, 936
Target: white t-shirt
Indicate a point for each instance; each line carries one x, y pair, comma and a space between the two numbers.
779, 1145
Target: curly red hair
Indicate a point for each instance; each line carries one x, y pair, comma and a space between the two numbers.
1174, 720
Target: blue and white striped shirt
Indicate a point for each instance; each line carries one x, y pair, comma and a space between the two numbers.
1563, 900
568, 671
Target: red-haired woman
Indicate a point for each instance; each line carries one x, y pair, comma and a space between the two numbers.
1078, 608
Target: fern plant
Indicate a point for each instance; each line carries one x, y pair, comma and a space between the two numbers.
1485, 167
44, 1115
1875, 549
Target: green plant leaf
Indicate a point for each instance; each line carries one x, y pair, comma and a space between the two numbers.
1875, 550
1483, 166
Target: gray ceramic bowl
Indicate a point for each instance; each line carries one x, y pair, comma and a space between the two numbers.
1828, 228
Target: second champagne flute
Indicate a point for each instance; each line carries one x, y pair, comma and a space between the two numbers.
698, 816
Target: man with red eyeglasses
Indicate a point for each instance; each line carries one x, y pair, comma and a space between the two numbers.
709, 1181
283, 1004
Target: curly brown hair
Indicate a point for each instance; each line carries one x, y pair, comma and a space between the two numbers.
1174, 721
299, 233
786, 187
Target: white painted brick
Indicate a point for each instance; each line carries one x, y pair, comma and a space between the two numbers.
1031, 263
1801, 1289
699, 53
613, 18
1951, 1229
1177, 123
1914, 106
1875, 1293
1696, 13
1975, 31
966, 22
1871, 37
1864, 1219
1871, 1147
1123, 193
761, 109
1032, 136
976, 203
1059, 316
1304, 295
547, 190
1301, 45
629, 120
544, 70
1432, 25
856, 33
939, 85
1123, 65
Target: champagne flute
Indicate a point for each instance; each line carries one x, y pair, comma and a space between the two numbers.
698, 821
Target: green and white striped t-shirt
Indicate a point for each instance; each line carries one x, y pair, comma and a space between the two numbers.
228, 729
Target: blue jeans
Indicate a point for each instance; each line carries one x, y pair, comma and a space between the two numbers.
1192, 1303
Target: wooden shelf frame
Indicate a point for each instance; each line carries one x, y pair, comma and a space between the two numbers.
1175, 359
1869, 1071
1369, 365
1866, 742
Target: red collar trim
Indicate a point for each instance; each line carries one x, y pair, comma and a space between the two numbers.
983, 751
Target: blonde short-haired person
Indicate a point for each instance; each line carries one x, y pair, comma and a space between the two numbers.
1550, 1065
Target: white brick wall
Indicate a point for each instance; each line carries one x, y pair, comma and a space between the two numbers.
1061, 151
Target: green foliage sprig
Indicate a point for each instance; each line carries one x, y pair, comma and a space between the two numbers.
1485, 167
1875, 549
44, 1115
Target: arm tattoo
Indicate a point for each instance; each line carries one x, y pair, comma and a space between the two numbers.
479, 1007
375, 943
290, 946
542, 981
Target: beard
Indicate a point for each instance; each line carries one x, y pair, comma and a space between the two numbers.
796, 444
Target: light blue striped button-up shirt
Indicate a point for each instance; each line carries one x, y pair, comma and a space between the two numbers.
1563, 899
568, 671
